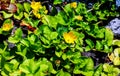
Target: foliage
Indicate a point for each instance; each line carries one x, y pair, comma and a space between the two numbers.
39, 42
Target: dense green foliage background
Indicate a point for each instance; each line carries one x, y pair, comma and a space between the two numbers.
34, 41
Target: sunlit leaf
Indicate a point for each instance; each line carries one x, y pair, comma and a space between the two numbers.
18, 16
58, 53
116, 42
57, 1
7, 15
27, 7
98, 70
109, 36
17, 37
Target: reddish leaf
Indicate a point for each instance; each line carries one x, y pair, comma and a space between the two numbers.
31, 28
12, 8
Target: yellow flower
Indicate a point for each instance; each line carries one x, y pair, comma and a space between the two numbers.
46, 11
36, 14
116, 61
6, 27
79, 17
73, 5
36, 5
69, 37
111, 56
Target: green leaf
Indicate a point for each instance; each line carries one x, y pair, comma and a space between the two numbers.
28, 68
81, 8
68, 9
6, 15
17, 36
22, 53
116, 71
99, 33
88, 73
58, 53
12, 1
51, 69
61, 18
25, 42
103, 74
20, 7
1, 31
96, 6
117, 52
75, 60
15, 63
27, 7
32, 38
90, 64
64, 56
76, 71
25, 67
107, 68
8, 67
46, 29
9, 21
57, 2
44, 40
109, 36
67, 66
53, 35
18, 15
26, 16
35, 22
66, 74
79, 48
18, 32
90, 43
13, 39
69, 55
116, 61
50, 21
116, 42
44, 67
106, 48
87, 48
63, 46
99, 46
91, 17
61, 30
98, 70
62, 73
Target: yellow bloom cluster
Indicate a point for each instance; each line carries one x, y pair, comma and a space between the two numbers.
79, 17
115, 56
69, 37
6, 27
36, 6
73, 5
36, 14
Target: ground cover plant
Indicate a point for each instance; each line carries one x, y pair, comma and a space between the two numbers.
58, 38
